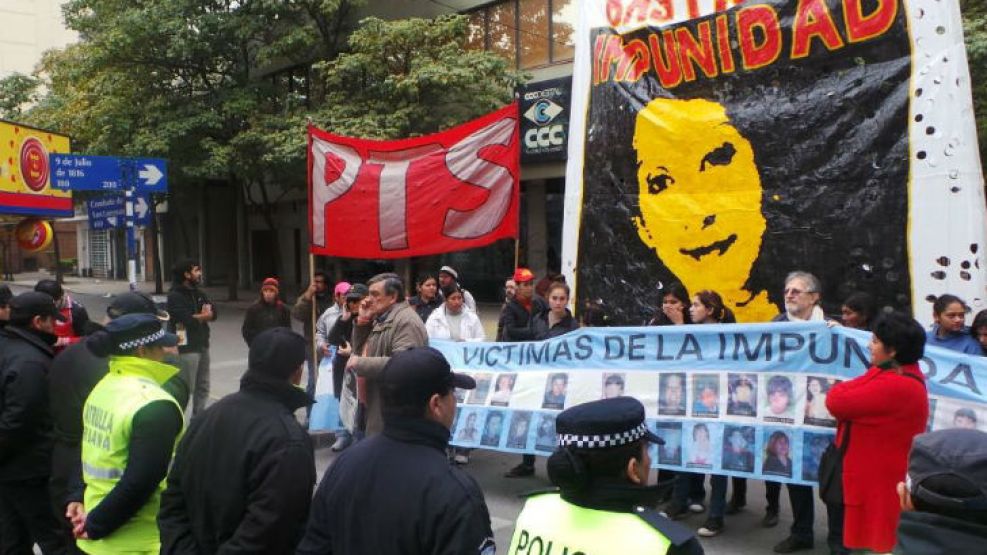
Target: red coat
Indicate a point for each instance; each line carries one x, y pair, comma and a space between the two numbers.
886, 410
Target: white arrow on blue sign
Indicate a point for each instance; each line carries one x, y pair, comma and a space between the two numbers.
152, 175
110, 211
76, 172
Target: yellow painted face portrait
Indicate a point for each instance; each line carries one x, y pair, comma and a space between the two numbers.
699, 193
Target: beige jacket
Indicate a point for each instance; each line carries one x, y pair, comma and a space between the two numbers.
374, 343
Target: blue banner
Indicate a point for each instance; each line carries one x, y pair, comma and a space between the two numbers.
743, 399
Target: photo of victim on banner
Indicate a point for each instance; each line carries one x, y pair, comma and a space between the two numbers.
723, 150
721, 407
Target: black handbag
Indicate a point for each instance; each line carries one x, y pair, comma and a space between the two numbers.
831, 471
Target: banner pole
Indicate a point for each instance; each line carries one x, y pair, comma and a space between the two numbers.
315, 354
517, 251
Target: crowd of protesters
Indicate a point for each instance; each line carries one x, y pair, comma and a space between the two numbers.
97, 453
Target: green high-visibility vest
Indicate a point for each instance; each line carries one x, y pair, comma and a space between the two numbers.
130, 385
550, 525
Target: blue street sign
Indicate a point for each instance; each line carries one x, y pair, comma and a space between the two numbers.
152, 175
74, 172
106, 212
110, 211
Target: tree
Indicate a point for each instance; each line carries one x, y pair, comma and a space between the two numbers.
16, 91
975, 30
224, 89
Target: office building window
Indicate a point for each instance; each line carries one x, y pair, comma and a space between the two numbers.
528, 33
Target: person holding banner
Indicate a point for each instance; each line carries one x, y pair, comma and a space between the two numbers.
557, 320
518, 317
949, 329
979, 330
604, 504
453, 320
878, 415
802, 304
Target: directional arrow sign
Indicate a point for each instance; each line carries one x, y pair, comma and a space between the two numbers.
74, 172
111, 210
152, 175
106, 212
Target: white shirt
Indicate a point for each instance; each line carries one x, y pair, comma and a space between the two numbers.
470, 327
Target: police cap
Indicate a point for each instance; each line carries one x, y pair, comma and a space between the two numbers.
603, 424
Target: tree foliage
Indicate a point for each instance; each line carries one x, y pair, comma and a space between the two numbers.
975, 30
16, 91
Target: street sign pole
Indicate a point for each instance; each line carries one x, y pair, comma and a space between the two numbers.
130, 179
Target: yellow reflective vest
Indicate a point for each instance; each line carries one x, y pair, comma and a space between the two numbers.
549, 525
131, 384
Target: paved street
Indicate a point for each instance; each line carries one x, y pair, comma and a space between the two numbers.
743, 534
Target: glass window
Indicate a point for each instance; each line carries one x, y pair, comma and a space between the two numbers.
563, 29
502, 26
476, 36
533, 32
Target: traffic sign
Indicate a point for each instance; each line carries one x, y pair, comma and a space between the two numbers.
152, 175
74, 172
110, 211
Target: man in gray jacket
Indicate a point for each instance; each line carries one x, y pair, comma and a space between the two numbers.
386, 325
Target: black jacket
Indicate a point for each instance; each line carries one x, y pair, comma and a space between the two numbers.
242, 477
518, 325
398, 493
542, 330
921, 533
261, 316
183, 303
25, 419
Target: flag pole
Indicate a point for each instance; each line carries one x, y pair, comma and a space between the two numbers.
315, 354
517, 251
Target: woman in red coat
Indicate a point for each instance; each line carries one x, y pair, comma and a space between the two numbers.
883, 409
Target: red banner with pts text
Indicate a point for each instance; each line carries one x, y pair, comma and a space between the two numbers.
439, 193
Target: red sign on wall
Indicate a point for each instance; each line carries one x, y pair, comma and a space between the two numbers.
445, 192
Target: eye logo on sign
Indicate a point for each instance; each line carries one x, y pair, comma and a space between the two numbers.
543, 112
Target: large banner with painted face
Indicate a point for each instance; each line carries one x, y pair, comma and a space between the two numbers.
742, 400
722, 146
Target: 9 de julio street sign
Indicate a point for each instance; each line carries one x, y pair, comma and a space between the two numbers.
76, 172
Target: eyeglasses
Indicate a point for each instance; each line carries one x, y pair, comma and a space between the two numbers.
796, 292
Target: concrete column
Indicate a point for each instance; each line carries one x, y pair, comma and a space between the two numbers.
536, 241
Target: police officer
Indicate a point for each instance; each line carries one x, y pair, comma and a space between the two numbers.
130, 427
603, 504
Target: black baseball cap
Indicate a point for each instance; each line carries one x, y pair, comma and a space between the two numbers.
357, 292
604, 424
422, 370
135, 303
945, 462
27, 305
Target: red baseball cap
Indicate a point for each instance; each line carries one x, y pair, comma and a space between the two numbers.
523, 275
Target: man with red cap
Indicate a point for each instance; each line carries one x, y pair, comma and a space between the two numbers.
266, 313
518, 316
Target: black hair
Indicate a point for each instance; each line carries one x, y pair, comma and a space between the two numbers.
410, 402
182, 267
322, 274
863, 304
392, 284
979, 321
453, 287
677, 290
967, 413
425, 277
714, 303
902, 333
614, 379
51, 287
559, 375
780, 384
574, 469
942, 302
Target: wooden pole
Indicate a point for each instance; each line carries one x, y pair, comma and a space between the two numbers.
315, 354
517, 252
